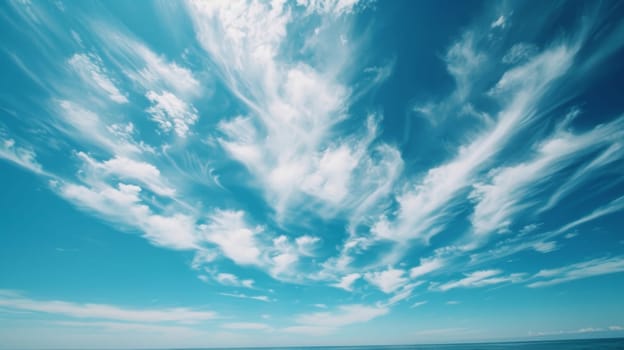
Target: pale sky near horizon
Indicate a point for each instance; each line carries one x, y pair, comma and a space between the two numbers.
310, 172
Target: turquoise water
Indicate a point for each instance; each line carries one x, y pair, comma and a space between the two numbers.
585, 344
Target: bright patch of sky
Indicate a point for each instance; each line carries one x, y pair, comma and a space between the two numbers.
322, 172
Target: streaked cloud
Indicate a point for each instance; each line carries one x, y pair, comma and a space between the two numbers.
127, 169
511, 189
264, 298
424, 203
584, 330
585, 269
285, 139
246, 326
480, 278
419, 303
346, 282
344, 315
20, 156
335, 7
122, 203
279, 149
90, 128
104, 311
426, 266
233, 280
89, 68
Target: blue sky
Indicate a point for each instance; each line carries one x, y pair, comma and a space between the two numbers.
310, 172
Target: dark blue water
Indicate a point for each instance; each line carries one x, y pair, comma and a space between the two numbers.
584, 344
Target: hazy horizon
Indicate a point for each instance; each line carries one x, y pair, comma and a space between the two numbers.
520, 344
310, 172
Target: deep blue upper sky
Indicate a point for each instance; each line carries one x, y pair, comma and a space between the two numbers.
310, 172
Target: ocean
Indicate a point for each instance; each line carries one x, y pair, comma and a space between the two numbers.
582, 344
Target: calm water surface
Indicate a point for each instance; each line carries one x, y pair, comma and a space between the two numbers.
585, 344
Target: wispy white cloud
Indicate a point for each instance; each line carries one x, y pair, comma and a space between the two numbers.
423, 204
249, 245
598, 166
308, 330
233, 280
234, 237
463, 60
388, 280
80, 334
518, 243
614, 206
577, 331
21, 156
293, 107
402, 293
419, 303
108, 327
28, 70
501, 22
479, 279
158, 74
285, 141
586, 269
264, 298
307, 244
171, 113
169, 87
142, 65
520, 52
90, 128
335, 7
545, 247
291, 138
426, 266
122, 203
283, 257
89, 68
127, 169
513, 189
202, 257
327, 322
246, 326
105, 311
346, 282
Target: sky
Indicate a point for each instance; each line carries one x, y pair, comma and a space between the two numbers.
310, 172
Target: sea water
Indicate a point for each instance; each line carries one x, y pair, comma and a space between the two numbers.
584, 344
